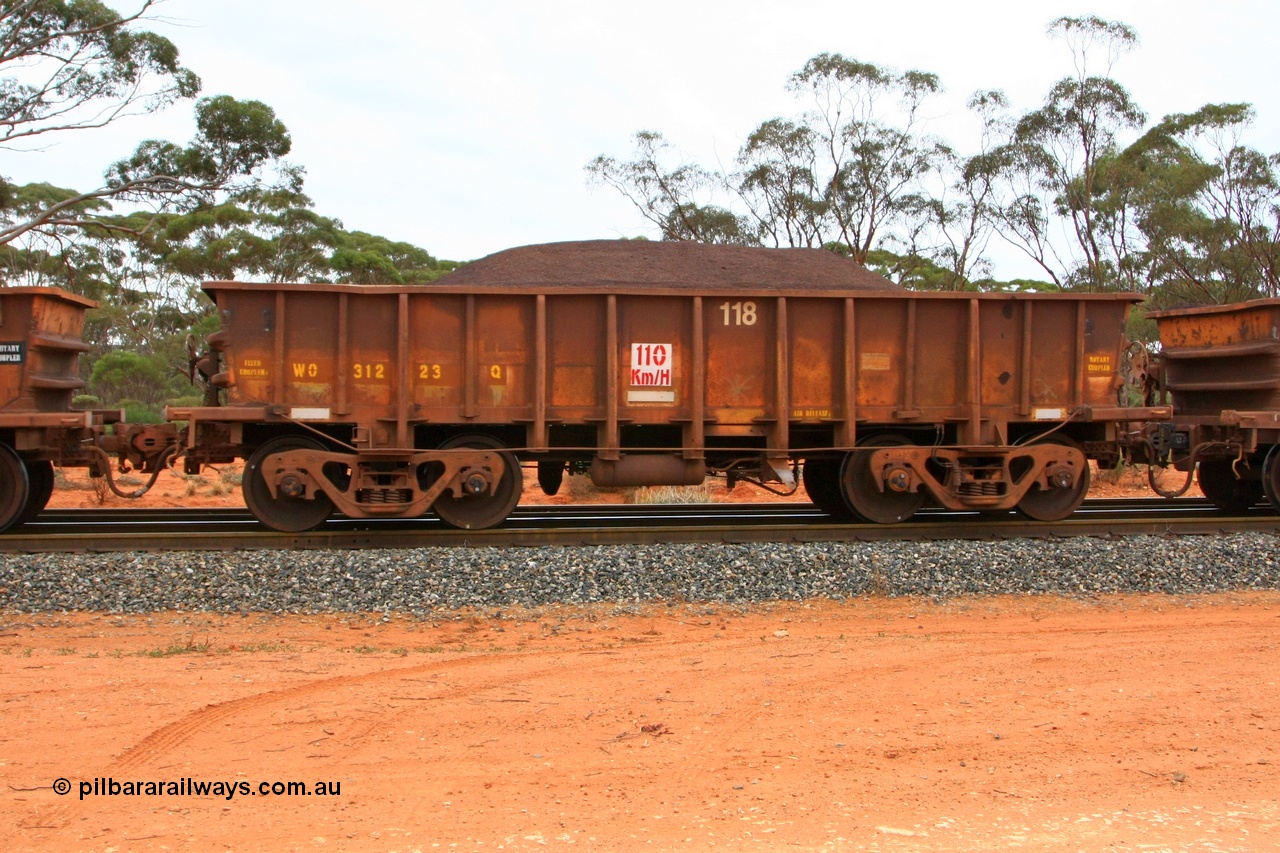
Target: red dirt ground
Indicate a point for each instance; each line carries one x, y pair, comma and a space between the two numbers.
897, 725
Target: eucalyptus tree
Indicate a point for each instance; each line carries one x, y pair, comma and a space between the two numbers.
1205, 207
73, 65
76, 65
674, 199
873, 160
779, 180
962, 213
1052, 164
851, 170
362, 258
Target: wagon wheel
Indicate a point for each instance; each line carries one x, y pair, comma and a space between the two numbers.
1218, 481
821, 479
282, 512
1055, 504
476, 512
861, 490
14, 487
1271, 477
39, 489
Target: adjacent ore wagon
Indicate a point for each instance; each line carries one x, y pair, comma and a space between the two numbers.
1221, 363
657, 363
40, 346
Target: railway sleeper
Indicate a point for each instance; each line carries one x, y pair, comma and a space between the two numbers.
986, 478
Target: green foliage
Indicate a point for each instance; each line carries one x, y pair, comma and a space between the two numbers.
222, 206
86, 401
1139, 327
362, 258
916, 272
674, 199
1016, 285
913, 271
121, 376
1203, 206
138, 412
96, 67
74, 65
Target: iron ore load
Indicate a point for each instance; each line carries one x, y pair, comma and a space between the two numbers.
644, 363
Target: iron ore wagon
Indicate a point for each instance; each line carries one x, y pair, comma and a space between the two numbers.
1221, 364
40, 346
645, 363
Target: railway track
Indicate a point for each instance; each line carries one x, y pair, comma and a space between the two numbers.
103, 530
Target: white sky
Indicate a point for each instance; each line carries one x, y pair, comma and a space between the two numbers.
464, 127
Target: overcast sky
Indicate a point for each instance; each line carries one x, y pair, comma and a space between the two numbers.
464, 127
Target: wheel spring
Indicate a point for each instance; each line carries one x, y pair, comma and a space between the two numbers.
982, 488
384, 496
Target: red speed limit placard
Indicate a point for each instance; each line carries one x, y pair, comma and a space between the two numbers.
651, 365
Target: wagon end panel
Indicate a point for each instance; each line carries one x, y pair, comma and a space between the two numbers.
40, 347
1104, 343
249, 322
1222, 357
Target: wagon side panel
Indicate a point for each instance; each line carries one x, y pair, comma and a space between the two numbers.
575, 339
816, 365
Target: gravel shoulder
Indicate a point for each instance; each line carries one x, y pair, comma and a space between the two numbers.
426, 581
1045, 722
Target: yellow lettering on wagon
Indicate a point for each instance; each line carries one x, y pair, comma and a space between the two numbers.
369, 371
305, 370
252, 368
1098, 364
431, 374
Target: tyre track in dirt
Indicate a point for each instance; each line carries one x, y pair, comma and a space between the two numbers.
733, 716
173, 735
170, 737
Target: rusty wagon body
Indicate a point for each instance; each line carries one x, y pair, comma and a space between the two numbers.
389, 401
41, 332
1221, 365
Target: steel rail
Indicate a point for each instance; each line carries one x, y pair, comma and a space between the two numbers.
106, 530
